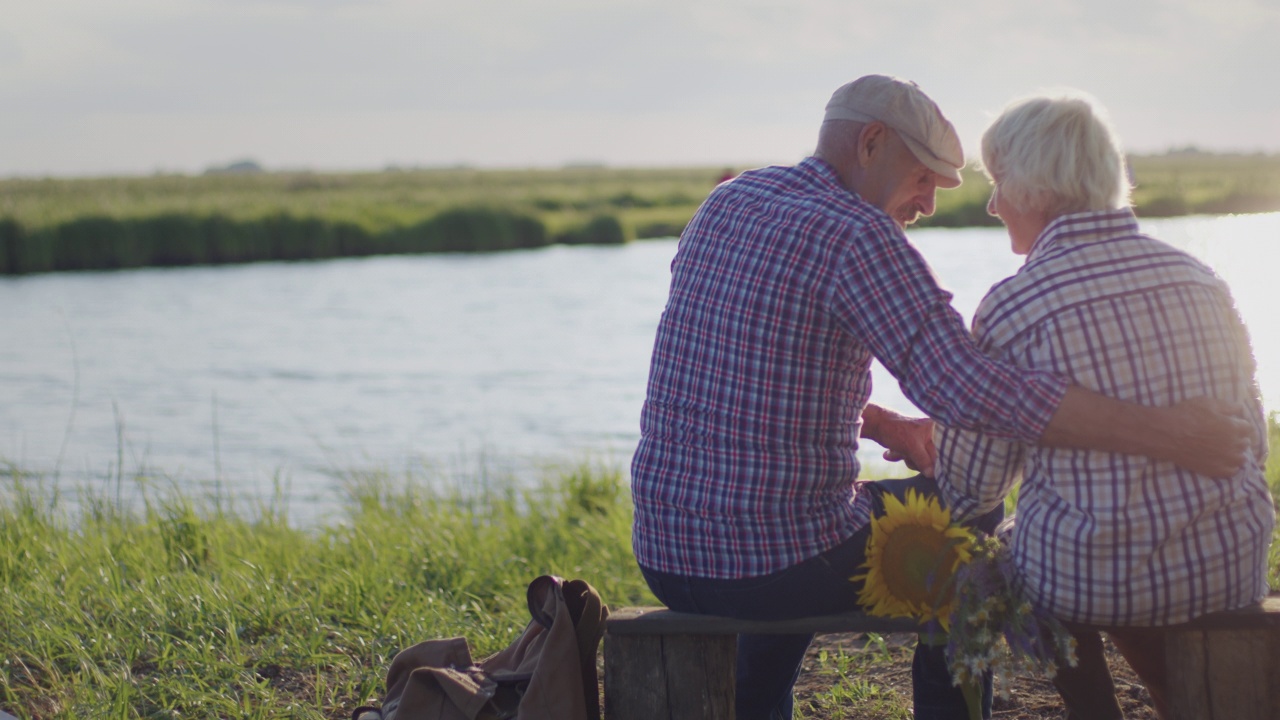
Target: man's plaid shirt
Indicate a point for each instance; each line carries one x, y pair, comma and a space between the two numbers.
1104, 538
784, 286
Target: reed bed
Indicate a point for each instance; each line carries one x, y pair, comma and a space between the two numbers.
105, 223
106, 243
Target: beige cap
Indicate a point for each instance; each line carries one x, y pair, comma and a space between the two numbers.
903, 106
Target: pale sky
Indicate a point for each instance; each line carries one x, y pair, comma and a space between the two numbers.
104, 87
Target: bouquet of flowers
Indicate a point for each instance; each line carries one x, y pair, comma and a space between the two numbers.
922, 565
994, 627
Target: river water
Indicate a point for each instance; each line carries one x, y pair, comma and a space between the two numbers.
246, 378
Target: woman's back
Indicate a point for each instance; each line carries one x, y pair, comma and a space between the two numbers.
1104, 538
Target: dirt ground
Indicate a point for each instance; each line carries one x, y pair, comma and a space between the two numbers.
1032, 698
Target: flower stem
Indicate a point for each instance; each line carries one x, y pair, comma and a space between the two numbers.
972, 689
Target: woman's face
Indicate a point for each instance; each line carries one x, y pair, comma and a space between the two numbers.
1023, 226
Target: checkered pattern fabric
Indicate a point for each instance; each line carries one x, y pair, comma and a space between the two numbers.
784, 287
1104, 538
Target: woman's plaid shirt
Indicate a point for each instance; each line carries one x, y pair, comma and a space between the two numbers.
783, 288
1104, 538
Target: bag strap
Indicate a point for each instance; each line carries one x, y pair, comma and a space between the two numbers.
536, 596
588, 613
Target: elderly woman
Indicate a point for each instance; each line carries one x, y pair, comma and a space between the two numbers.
1106, 542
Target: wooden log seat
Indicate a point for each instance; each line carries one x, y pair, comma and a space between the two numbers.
1226, 665
679, 666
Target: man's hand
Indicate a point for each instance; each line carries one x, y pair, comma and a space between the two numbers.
905, 438
1204, 435
1211, 436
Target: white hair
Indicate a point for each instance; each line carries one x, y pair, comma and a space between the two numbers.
1058, 154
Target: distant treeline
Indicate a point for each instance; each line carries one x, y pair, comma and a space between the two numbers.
105, 243
57, 224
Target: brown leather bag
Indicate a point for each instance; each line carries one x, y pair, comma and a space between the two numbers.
548, 673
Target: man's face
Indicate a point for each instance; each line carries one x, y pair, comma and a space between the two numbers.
906, 187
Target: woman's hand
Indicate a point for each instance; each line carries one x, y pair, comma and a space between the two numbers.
906, 439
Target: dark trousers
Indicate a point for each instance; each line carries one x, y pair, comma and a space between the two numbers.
768, 665
1088, 691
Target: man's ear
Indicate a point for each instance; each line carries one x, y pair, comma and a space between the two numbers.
870, 140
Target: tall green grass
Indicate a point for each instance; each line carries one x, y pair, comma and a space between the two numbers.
1273, 481
179, 609
106, 243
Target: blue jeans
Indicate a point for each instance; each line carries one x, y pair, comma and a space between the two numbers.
768, 665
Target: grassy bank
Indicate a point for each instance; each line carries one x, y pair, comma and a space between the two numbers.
182, 607
179, 610
103, 223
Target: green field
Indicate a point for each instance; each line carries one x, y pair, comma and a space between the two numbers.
102, 223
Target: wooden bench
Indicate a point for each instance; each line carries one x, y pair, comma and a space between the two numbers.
679, 666
1226, 665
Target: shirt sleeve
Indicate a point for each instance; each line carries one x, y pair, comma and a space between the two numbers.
974, 471
885, 294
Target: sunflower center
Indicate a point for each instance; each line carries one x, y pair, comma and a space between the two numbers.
917, 562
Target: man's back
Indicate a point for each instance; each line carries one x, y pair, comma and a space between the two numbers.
750, 426
784, 287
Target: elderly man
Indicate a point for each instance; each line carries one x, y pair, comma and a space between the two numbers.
1104, 541
786, 284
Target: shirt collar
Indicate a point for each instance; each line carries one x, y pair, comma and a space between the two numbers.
824, 171
1084, 227
823, 174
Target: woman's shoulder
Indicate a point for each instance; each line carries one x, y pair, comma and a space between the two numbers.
1073, 273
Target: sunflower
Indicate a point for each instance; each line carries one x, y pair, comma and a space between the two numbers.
912, 557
